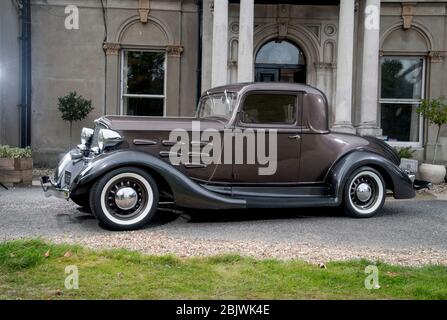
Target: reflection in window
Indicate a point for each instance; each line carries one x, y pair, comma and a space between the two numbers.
218, 105
280, 61
402, 78
143, 83
280, 52
269, 109
401, 94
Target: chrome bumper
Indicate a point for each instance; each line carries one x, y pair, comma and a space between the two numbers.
51, 189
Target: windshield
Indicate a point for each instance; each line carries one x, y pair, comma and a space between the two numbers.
218, 105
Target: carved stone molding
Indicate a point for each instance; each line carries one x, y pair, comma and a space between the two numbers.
437, 56
407, 14
111, 48
325, 65
143, 10
283, 25
174, 51
315, 29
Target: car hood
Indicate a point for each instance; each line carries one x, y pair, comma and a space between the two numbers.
130, 123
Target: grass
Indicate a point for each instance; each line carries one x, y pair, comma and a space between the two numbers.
36, 270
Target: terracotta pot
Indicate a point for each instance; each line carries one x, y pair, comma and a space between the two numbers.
432, 172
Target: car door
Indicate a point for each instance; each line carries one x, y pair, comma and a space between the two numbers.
273, 118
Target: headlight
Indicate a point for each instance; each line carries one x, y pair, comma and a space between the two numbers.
86, 136
108, 138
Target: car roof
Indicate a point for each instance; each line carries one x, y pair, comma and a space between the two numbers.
265, 86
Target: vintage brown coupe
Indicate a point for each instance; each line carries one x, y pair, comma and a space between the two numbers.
123, 170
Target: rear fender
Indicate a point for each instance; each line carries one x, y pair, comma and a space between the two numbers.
397, 179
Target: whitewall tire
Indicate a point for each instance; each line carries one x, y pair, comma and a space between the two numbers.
124, 199
364, 193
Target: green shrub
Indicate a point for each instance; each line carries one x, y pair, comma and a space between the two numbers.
74, 108
405, 152
435, 111
15, 153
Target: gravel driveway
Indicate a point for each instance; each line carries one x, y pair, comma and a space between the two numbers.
407, 232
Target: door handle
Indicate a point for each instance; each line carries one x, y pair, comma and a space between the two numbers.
296, 137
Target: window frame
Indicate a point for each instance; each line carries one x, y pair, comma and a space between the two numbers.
298, 114
415, 144
144, 96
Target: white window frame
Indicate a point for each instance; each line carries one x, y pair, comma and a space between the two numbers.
124, 78
414, 144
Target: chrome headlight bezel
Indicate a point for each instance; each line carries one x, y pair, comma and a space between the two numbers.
108, 138
86, 136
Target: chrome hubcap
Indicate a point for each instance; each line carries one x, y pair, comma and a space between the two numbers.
126, 198
363, 192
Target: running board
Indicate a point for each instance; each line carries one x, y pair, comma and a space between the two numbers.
295, 202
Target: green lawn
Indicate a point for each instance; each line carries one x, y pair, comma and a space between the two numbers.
27, 272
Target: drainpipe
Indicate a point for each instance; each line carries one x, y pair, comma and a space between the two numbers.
199, 51
25, 103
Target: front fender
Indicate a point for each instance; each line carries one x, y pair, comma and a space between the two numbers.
186, 192
341, 170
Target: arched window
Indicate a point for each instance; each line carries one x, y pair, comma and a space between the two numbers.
280, 61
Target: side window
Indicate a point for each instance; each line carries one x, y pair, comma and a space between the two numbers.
269, 109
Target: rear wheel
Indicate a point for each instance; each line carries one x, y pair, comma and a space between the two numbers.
364, 193
124, 199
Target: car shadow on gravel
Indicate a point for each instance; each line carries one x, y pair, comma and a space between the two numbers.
83, 216
207, 216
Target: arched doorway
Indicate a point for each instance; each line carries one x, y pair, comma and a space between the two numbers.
280, 61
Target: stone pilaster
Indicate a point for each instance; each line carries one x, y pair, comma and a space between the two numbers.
219, 69
345, 55
245, 54
369, 102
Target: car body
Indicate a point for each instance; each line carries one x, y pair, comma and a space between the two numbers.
127, 163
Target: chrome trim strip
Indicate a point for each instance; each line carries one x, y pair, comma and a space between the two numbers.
142, 142
195, 165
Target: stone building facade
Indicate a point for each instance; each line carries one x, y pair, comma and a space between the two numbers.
154, 57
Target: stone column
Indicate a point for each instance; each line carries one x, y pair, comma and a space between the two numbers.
174, 53
369, 102
345, 55
111, 105
220, 44
245, 54
207, 44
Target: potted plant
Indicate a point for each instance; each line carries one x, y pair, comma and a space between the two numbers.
16, 166
406, 162
74, 108
435, 111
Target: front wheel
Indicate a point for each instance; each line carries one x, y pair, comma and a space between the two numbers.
124, 199
364, 193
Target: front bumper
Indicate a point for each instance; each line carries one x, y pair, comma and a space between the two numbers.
62, 184
51, 189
